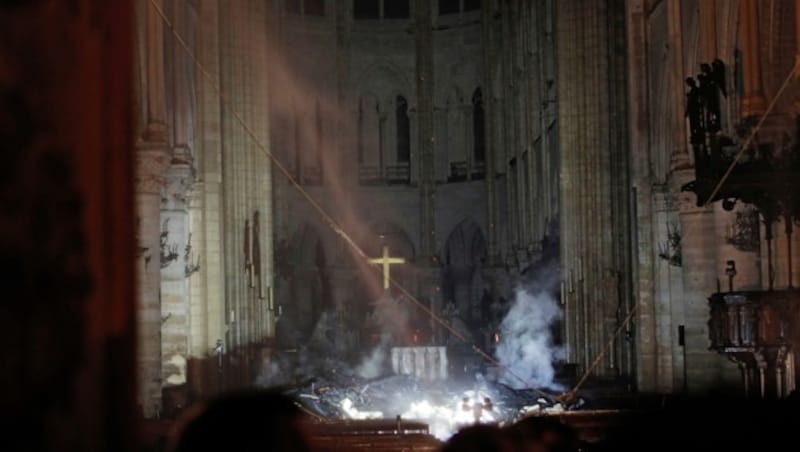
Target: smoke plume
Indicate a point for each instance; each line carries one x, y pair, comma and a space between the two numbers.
526, 348
390, 319
373, 364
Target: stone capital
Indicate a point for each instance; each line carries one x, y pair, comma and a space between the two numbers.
151, 161
177, 186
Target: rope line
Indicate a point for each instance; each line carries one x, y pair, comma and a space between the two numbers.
754, 131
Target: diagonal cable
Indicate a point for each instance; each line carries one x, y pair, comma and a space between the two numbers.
754, 131
330, 221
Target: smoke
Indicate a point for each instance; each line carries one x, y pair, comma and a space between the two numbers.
390, 318
526, 348
373, 365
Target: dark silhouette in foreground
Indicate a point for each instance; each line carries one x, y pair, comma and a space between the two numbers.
244, 422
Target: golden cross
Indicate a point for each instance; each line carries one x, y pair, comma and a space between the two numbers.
386, 261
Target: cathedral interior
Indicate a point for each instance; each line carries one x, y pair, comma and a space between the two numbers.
553, 207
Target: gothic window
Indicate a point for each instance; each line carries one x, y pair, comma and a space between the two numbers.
370, 132
314, 7
449, 6
478, 132
366, 9
395, 9
403, 135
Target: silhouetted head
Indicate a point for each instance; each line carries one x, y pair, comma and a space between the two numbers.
705, 68
244, 422
690, 81
538, 433
479, 438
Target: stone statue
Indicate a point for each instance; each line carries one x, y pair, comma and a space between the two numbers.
712, 83
694, 111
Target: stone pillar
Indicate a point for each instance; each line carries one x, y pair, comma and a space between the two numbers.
207, 287
708, 30
347, 126
183, 82
152, 156
594, 182
175, 230
427, 163
796, 103
704, 369
151, 160
246, 185
679, 154
156, 125
753, 102
647, 350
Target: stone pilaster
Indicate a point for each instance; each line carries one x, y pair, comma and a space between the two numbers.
487, 54
704, 369
151, 160
156, 124
753, 102
708, 30
647, 371
347, 126
175, 249
594, 180
679, 153
427, 163
208, 285
246, 218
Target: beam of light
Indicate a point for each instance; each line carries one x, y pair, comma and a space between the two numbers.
294, 86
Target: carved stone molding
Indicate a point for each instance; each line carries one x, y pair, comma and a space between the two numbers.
178, 181
151, 161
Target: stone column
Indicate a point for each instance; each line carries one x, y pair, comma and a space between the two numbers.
708, 30
679, 152
174, 284
151, 160
487, 75
347, 127
208, 286
424, 74
647, 356
704, 368
594, 179
753, 102
156, 126
152, 156
797, 33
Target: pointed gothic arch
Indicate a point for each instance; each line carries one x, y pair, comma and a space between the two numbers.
463, 258
308, 285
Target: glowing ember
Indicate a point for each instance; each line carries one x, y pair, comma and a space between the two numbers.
354, 413
444, 420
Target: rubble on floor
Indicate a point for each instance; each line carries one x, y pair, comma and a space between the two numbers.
445, 406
